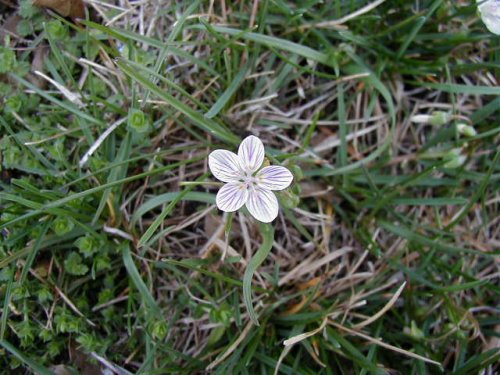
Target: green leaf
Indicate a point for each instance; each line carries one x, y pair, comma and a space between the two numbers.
62, 225
88, 245
74, 266
7, 59
137, 120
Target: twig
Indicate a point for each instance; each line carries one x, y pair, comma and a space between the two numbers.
101, 139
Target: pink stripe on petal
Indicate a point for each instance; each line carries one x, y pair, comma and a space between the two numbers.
231, 197
224, 165
262, 205
251, 153
274, 177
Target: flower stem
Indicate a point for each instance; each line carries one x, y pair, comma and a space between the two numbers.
267, 232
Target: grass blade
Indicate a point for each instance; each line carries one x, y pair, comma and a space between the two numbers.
199, 120
157, 222
42, 370
134, 275
226, 96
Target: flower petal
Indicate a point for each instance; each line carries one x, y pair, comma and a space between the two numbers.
251, 153
490, 13
231, 197
274, 177
262, 204
492, 22
224, 165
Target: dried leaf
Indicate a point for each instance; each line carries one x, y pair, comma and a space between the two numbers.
61, 370
66, 8
83, 361
38, 64
9, 26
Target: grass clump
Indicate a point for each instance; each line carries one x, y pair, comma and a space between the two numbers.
383, 257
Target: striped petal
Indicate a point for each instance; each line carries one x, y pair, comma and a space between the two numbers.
224, 165
231, 197
490, 13
251, 153
262, 204
274, 177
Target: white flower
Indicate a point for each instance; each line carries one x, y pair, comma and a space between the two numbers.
490, 13
246, 182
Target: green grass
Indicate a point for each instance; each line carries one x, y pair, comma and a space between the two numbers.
116, 261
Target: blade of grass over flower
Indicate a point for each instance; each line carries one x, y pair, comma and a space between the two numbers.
23, 358
206, 124
267, 232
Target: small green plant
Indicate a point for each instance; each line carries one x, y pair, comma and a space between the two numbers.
137, 120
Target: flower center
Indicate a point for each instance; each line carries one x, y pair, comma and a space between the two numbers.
248, 180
